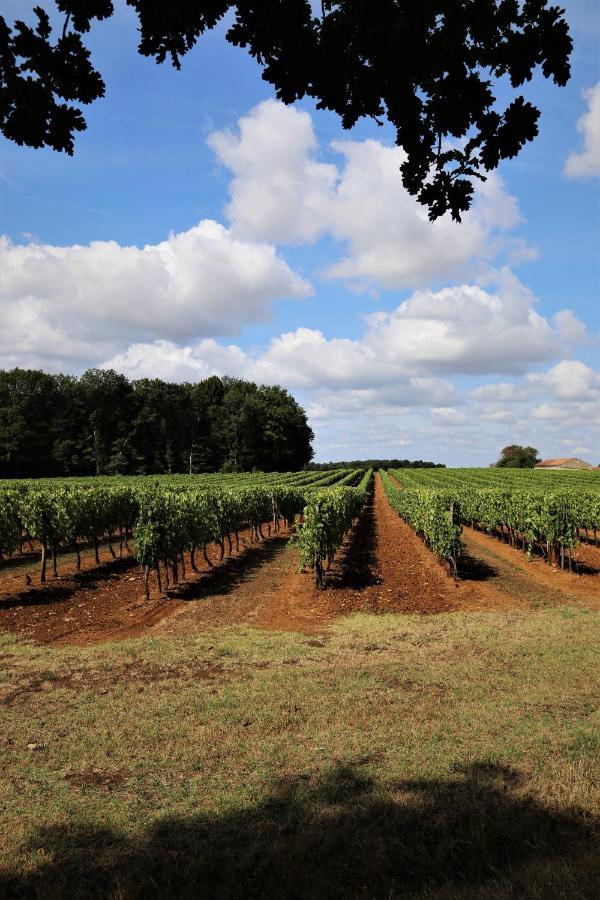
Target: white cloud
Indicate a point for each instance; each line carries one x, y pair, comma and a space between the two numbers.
156, 311
459, 330
390, 239
167, 360
448, 415
83, 302
279, 189
571, 331
500, 393
282, 192
465, 329
340, 374
373, 395
360, 405
569, 380
587, 163
548, 411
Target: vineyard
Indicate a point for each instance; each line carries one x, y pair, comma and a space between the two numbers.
167, 517
206, 675
545, 512
167, 520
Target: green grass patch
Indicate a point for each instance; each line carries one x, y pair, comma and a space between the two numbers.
440, 757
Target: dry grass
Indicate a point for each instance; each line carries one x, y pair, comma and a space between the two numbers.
446, 757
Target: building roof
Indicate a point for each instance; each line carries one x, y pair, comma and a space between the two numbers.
559, 462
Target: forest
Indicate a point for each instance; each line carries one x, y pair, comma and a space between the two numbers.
103, 423
376, 464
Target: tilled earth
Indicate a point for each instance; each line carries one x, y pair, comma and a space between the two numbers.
382, 567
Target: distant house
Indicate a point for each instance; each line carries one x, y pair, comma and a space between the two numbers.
565, 463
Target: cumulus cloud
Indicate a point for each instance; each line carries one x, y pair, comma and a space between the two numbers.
499, 393
569, 380
389, 237
78, 302
390, 391
570, 329
281, 191
551, 410
359, 404
339, 372
155, 311
458, 330
466, 329
586, 163
167, 360
450, 416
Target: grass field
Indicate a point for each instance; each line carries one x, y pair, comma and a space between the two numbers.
450, 756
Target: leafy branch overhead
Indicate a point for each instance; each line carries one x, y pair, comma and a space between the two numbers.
427, 67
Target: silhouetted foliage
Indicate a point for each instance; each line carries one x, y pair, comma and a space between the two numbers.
101, 423
336, 836
427, 67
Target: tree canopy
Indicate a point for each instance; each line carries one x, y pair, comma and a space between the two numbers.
427, 67
516, 457
377, 464
102, 423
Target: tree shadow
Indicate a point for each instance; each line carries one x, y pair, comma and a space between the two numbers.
24, 559
339, 835
355, 565
579, 567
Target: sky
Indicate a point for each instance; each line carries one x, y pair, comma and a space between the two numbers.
202, 227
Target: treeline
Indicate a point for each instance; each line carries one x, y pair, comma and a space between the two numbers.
377, 464
102, 423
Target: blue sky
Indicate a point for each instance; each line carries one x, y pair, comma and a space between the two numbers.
273, 255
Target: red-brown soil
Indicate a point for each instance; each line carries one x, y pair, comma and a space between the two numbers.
381, 567
585, 582
107, 602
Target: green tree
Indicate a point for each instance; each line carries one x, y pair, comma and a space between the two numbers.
28, 400
68, 427
287, 437
101, 423
240, 426
516, 457
107, 396
148, 426
206, 454
428, 67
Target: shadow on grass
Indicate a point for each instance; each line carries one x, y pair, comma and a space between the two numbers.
340, 836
